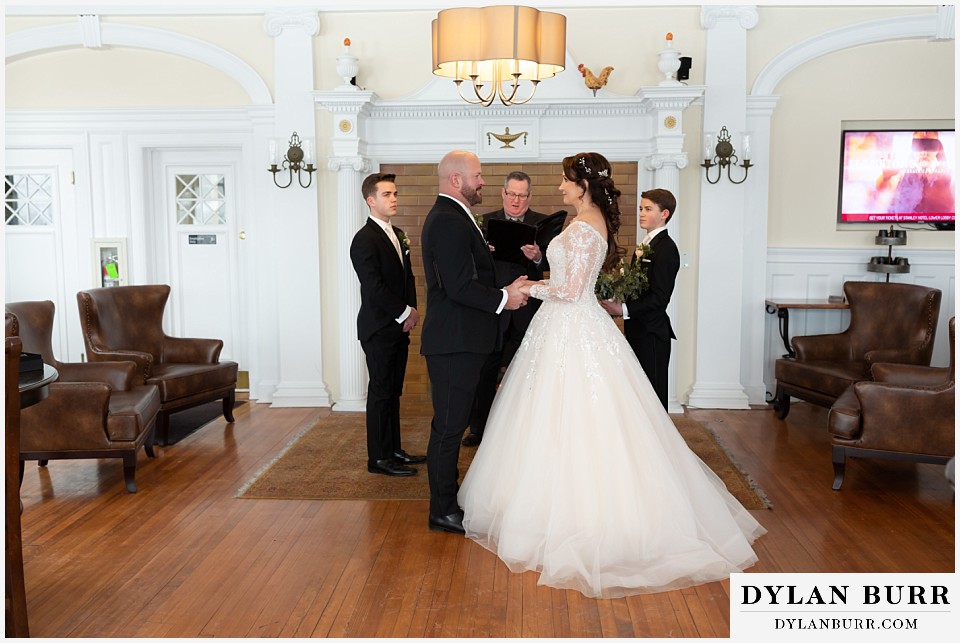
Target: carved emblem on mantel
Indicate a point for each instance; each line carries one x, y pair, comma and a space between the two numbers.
507, 138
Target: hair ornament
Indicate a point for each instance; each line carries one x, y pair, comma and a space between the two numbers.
583, 164
607, 192
603, 173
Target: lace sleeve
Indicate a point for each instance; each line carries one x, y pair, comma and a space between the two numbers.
583, 249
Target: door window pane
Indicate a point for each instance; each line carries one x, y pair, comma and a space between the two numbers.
200, 199
28, 199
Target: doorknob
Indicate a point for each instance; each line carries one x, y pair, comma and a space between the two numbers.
243, 235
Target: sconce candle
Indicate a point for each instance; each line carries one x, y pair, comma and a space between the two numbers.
297, 161
724, 156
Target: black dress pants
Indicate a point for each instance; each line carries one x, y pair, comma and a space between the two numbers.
453, 384
386, 354
654, 356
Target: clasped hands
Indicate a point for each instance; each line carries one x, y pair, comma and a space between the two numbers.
518, 292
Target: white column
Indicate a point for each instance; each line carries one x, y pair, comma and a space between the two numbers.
717, 380
350, 108
351, 215
295, 216
663, 171
759, 111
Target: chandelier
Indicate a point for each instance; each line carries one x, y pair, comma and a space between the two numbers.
495, 48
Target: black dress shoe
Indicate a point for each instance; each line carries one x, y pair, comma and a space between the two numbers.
471, 440
452, 523
403, 457
389, 468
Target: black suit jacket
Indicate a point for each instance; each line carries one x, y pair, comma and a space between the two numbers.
648, 313
386, 285
462, 292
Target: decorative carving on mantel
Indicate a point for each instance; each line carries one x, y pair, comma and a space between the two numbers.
657, 161
276, 20
356, 163
710, 16
507, 138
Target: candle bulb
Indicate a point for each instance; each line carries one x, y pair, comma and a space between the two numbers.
746, 147
273, 152
707, 147
307, 155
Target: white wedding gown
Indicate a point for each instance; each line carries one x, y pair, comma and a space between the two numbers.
581, 474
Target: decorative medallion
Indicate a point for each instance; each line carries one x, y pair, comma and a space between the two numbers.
345, 126
670, 122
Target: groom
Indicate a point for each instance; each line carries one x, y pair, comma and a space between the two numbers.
461, 327
645, 321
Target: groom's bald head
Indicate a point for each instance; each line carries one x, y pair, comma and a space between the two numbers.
460, 176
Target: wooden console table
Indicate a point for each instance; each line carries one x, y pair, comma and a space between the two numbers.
782, 309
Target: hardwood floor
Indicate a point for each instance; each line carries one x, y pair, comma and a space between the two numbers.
185, 558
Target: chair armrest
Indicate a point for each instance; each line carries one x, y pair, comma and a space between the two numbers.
118, 375
144, 361
73, 416
906, 418
822, 347
909, 374
187, 350
894, 355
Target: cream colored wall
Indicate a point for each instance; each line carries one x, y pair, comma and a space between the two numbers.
124, 77
393, 47
912, 79
891, 84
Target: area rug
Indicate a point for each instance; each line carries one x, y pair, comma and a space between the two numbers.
327, 461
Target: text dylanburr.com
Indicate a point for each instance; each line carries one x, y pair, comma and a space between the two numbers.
843, 607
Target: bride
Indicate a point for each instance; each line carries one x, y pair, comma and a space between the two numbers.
581, 474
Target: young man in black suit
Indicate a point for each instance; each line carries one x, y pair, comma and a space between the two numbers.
461, 327
388, 311
513, 324
645, 321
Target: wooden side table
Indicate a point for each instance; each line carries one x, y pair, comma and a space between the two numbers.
32, 388
782, 309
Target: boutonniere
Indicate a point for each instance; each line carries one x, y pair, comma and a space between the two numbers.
479, 220
643, 253
403, 239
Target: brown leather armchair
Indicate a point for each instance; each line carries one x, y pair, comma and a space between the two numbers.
906, 413
888, 323
125, 323
92, 411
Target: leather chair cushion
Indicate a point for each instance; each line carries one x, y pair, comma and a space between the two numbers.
844, 416
177, 381
131, 412
829, 377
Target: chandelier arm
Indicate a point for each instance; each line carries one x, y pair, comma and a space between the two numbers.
466, 99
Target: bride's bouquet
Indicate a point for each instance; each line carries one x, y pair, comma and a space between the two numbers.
627, 279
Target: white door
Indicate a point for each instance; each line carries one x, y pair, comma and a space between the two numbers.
42, 253
194, 219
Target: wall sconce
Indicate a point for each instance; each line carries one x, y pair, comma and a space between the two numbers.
498, 45
724, 156
297, 160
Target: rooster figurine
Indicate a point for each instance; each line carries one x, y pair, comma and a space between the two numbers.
594, 82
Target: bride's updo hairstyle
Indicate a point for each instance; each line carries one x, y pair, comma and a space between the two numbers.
592, 172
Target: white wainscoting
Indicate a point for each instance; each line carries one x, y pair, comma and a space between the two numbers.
813, 273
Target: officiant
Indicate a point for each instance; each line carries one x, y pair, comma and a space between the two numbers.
532, 262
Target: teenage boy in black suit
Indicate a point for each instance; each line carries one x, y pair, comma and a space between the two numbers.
461, 327
388, 310
645, 321
513, 324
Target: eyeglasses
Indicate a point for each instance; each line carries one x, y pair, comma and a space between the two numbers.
514, 195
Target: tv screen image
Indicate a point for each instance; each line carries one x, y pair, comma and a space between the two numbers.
897, 176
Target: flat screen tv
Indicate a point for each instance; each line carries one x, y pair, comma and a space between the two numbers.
894, 173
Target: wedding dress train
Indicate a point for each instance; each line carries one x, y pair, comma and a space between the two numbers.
581, 474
